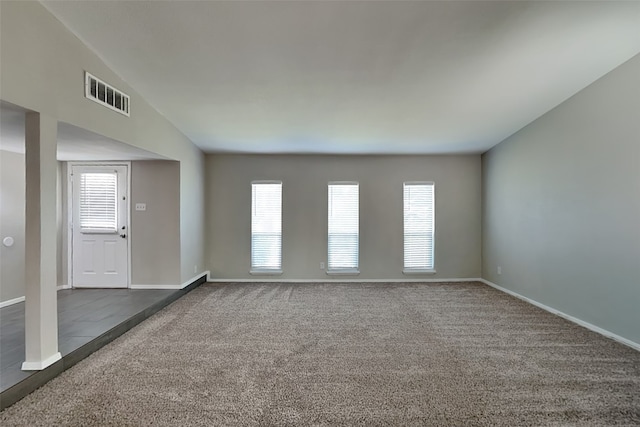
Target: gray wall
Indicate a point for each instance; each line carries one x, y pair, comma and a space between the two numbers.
562, 206
42, 69
305, 178
155, 257
12, 223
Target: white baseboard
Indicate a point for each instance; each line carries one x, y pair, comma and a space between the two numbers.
138, 286
11, 302
40, 365
570, 318
341, 280
182, 286
61, 287
196, 277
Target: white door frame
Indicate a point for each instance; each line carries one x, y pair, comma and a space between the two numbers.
69, 195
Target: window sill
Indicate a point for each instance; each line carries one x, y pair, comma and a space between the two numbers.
343, 272
418, 271
265, 272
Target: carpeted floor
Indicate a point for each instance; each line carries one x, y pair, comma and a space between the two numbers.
346, 354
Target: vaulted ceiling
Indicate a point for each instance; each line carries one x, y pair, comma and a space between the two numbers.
355, 76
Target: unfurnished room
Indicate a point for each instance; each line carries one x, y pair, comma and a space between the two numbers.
271, 213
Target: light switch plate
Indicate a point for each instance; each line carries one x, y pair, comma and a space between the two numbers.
141, 206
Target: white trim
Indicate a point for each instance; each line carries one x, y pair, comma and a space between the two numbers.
594, 328
61, 287
69, 201
97, 287
417, 271
265, 272
9, 302
196, 277
182, 286
445, 280
354, 272
419, 183
343, 183
38, 366
266, 182
155, 287
128, 229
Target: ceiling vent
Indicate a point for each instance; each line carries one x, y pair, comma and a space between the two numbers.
102, 93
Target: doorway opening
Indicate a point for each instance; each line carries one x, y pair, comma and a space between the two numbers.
99, 225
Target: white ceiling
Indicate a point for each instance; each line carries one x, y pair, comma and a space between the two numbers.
74, 143
355, 76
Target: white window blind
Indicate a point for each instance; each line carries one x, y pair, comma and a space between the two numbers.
343, 227
418, 226
266, 226
98, 202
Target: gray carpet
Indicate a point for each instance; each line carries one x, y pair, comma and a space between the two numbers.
346, 354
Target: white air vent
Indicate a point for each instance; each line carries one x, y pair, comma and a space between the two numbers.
102, 93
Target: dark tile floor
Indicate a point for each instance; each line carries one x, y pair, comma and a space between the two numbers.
83, 315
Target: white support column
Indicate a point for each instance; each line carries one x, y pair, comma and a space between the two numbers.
41, 305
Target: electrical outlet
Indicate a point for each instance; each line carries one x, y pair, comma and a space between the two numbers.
499, 270
322, 266
195, 268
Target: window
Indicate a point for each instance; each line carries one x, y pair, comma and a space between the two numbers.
418, 226
98, 202
343, 227
266, 227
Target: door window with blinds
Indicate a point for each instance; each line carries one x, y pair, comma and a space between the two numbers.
99, 202
266, 227
419, 227
343, 224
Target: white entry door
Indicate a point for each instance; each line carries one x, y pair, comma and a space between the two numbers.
100, 226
